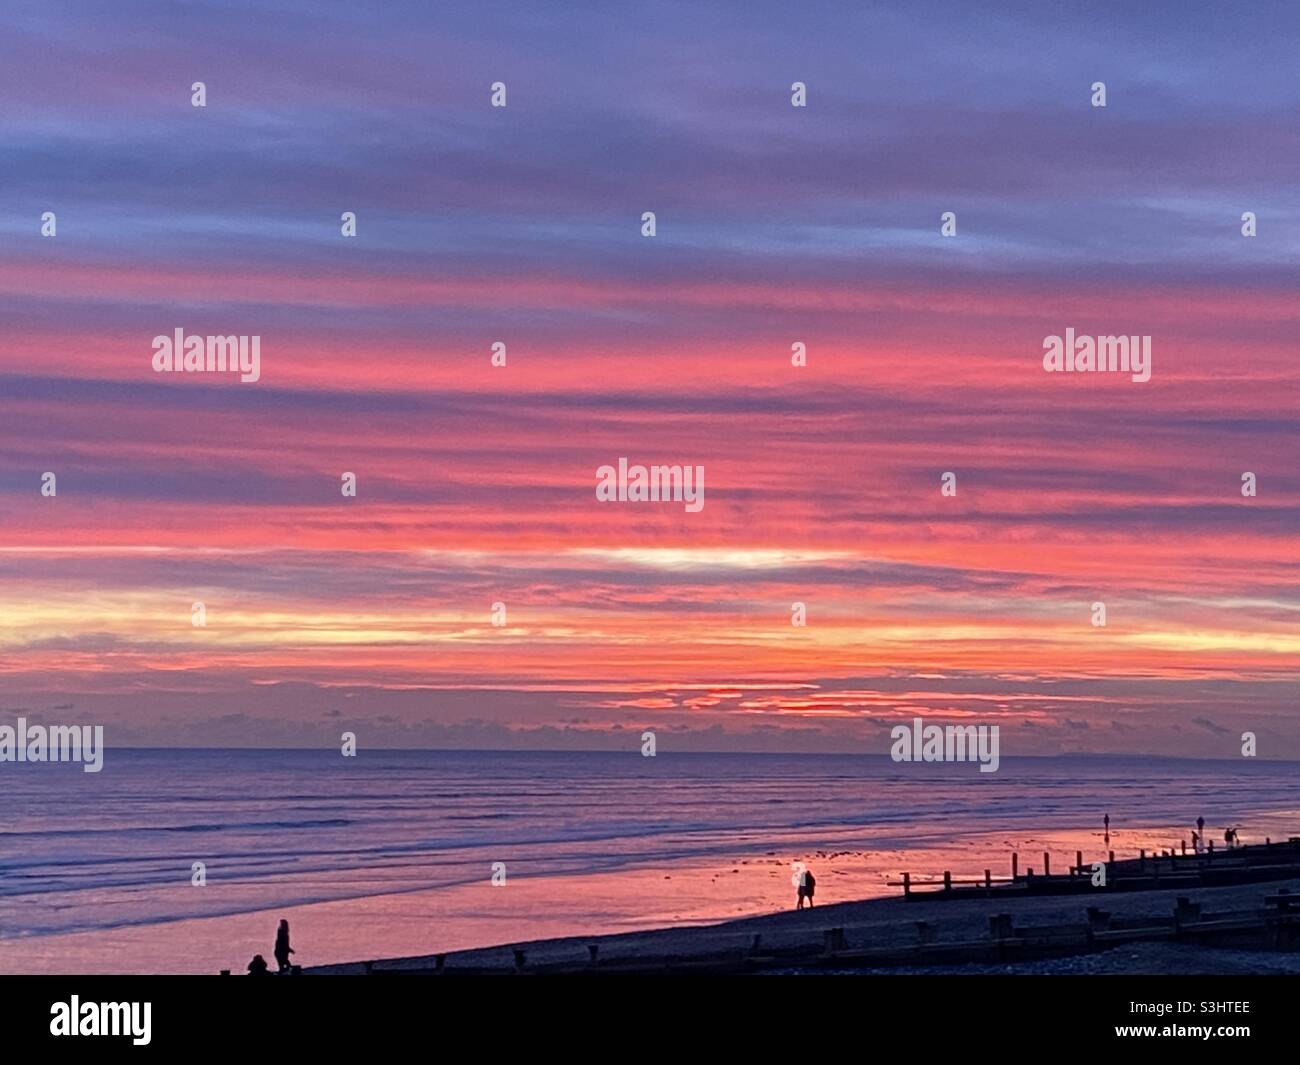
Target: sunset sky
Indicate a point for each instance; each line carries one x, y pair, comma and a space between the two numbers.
775, 225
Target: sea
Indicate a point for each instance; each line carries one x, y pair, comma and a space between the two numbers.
184, 860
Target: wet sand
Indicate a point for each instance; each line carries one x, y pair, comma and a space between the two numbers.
891, 922
533, 906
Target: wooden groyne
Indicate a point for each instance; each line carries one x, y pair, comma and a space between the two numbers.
1273, 926
1163, 870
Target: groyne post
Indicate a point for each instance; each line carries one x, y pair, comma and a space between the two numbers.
1185, 912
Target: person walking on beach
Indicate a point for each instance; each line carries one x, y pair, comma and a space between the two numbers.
282, 948
1200, 826
1106, 822
1196, 843
807, 884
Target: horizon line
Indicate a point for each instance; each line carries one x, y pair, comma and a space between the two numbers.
771, 754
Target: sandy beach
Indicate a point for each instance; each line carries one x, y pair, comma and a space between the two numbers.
886, 922
684, 898
1226, 914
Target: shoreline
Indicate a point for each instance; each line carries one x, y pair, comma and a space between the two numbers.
800, 936
1192, 928
641, 898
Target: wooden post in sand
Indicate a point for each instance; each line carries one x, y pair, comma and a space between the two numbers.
1184, 848
1047, 864
947, 880
1015, 864
1078, 862
1185, 912
1142, 860
907, 884
988, 879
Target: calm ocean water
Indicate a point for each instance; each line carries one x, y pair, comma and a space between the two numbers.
85, 851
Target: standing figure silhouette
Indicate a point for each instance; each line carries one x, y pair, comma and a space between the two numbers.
807, 885
282, 948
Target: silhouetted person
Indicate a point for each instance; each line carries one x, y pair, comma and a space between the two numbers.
258, 966
1230, 837
807, 885
1106, 821
1200, 826
282, 948
1196, 843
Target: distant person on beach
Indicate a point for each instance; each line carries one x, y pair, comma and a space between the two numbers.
258, 966
1196, 843
1200, 826
282, 948
1106, 821
807, 884
1230, 837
